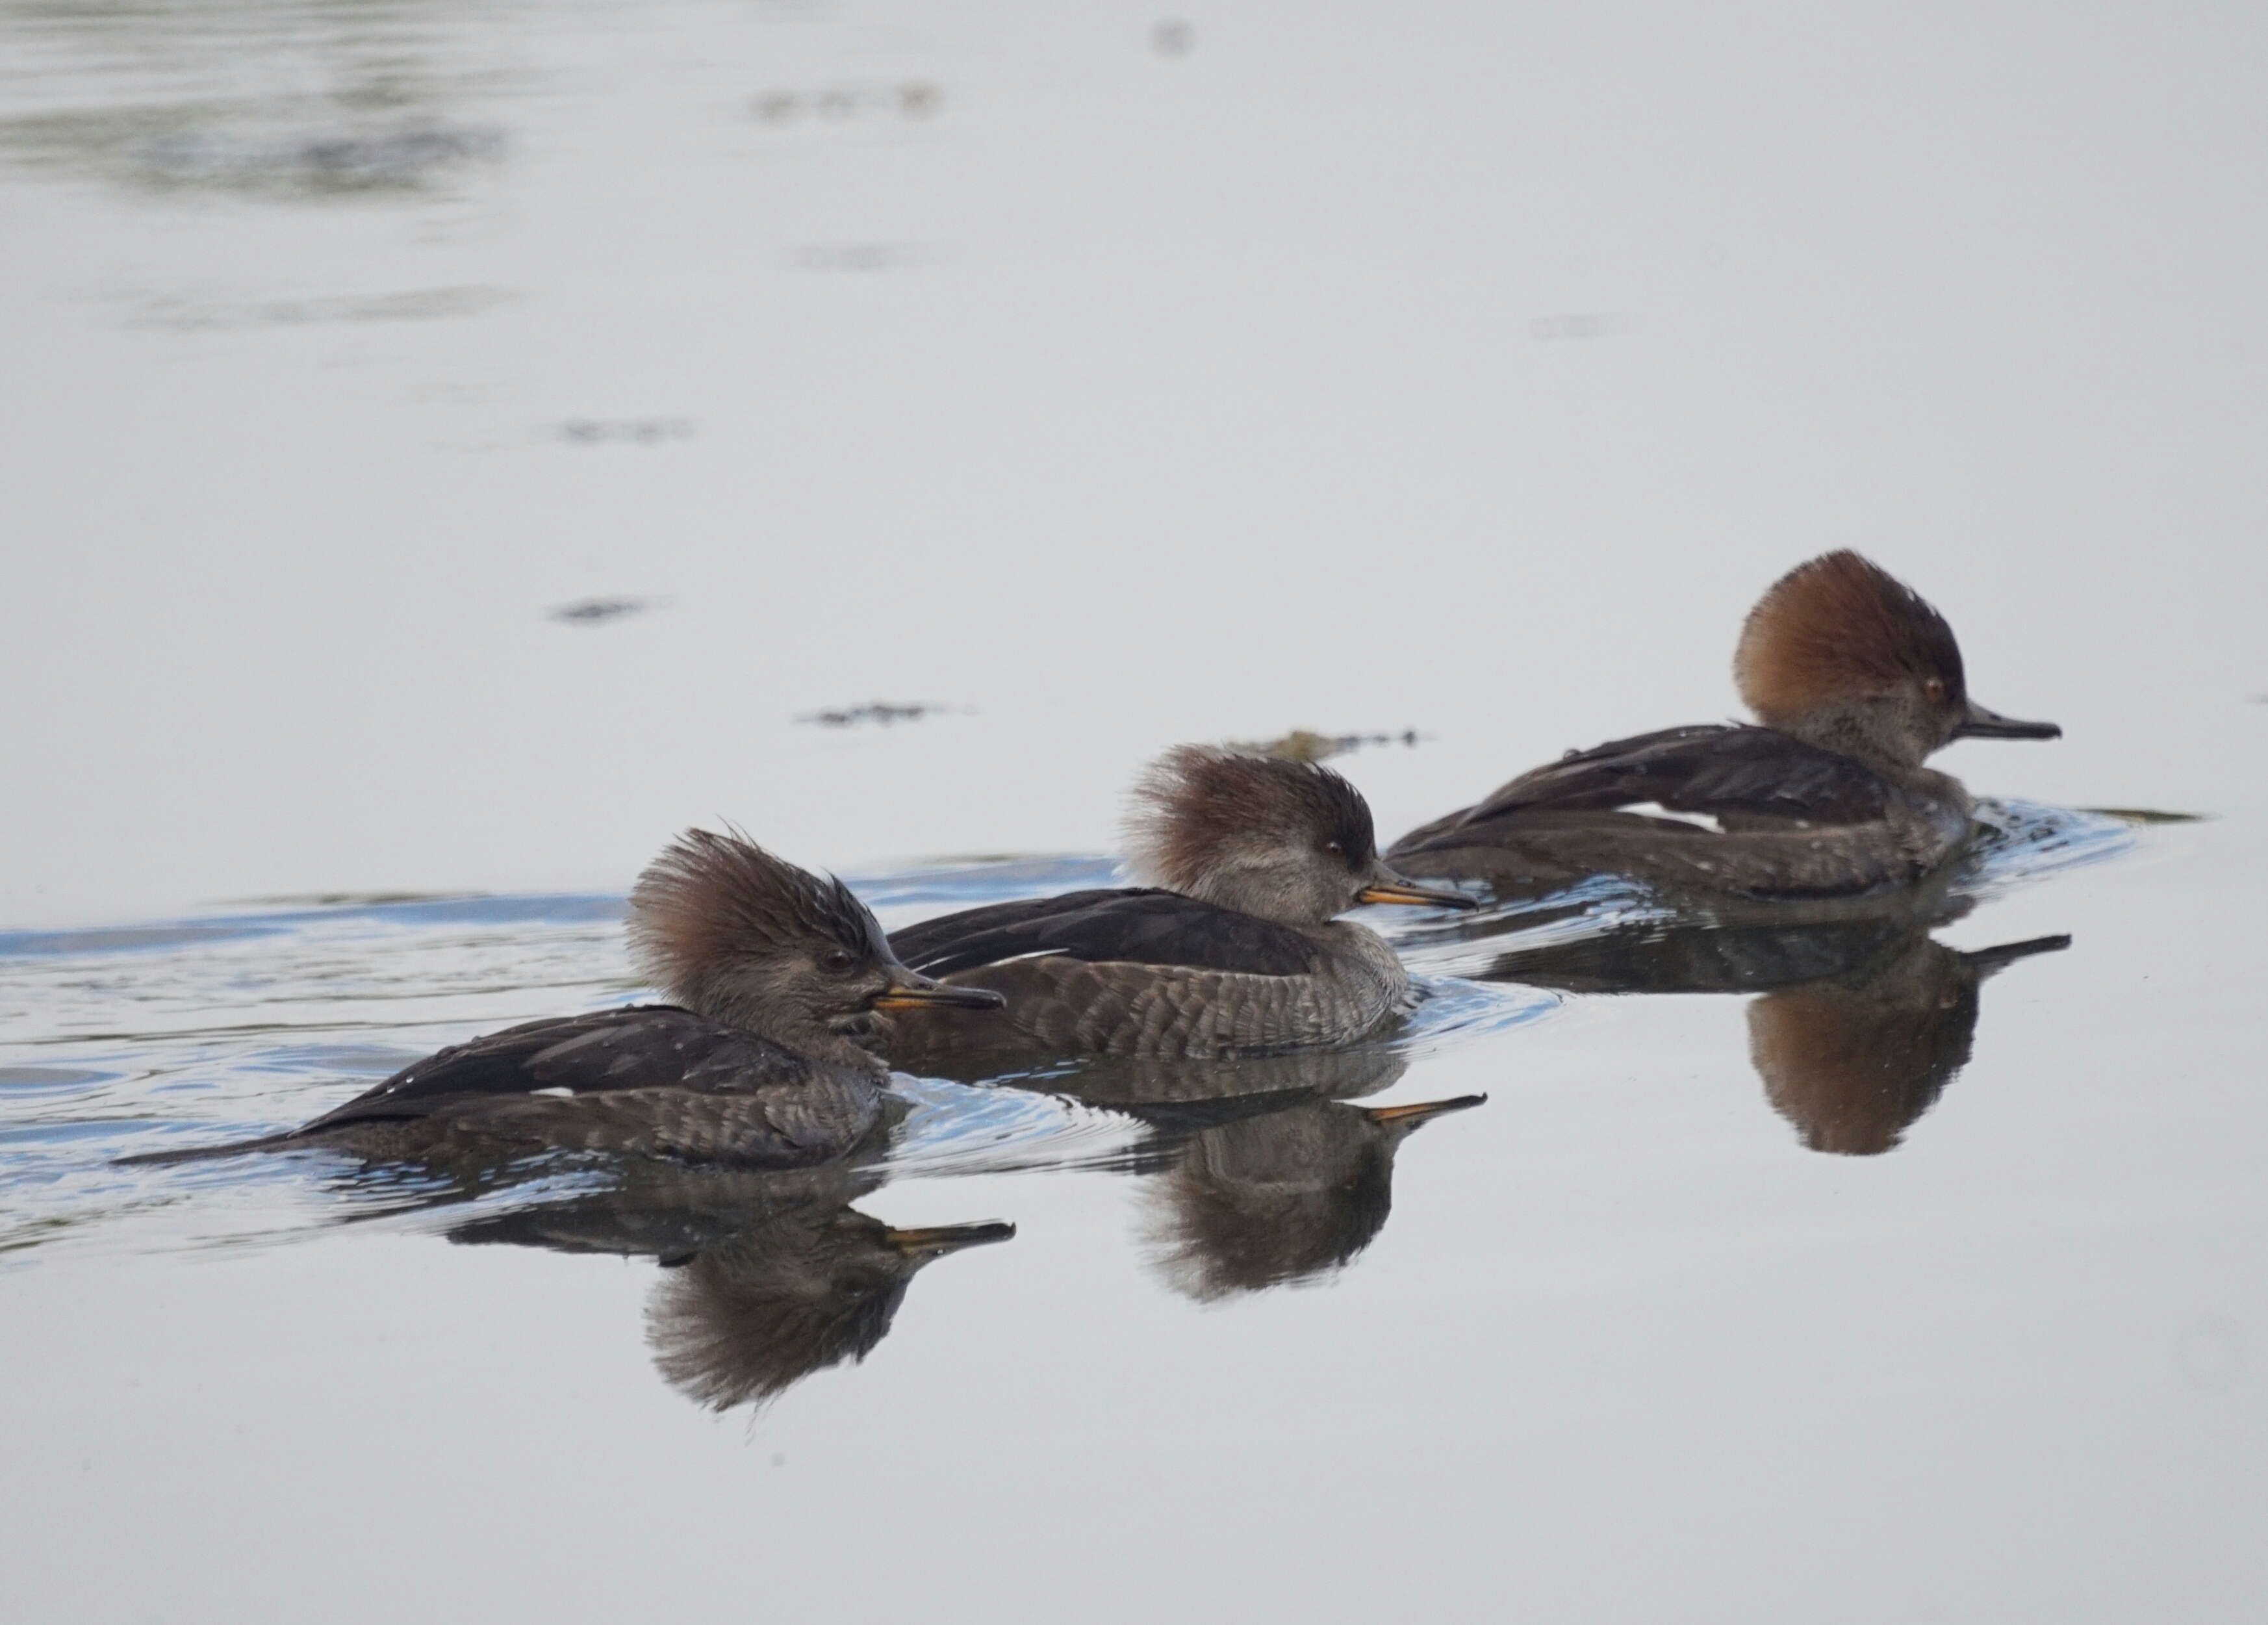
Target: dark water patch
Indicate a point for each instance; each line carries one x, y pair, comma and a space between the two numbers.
332, 160
128, 939
862, 102
26, 1081
627, 431
181, 316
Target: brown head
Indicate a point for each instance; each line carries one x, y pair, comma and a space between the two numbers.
725, 928
1842, 655
1289, 841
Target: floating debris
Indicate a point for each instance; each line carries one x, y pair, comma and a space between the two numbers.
628, 431
882, 711
1303, 744
1580, 324
598, 611
911, 99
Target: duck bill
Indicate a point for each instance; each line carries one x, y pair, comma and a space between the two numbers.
1388, 887
1982, 724
944, 1239
1985, 961
1416, 1116
911, 990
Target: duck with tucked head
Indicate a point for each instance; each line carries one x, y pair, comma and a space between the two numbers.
1234, 946
769, 969
1855, 682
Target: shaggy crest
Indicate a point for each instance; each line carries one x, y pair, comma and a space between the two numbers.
1197, 805
709, 899
1841, 628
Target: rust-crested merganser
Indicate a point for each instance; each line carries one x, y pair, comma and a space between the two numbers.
1855, 682
769, 967
1233, 946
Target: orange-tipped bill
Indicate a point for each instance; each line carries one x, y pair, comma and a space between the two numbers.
911, 990
1388, 887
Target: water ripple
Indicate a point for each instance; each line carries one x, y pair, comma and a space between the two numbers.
229, 1026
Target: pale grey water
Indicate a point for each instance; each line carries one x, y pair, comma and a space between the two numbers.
1106, 384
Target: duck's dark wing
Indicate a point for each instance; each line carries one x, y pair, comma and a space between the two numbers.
1133, 925
1743, 776
640, 1046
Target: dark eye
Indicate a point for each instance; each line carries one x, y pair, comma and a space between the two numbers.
1335, 849
837, 960
1934, 689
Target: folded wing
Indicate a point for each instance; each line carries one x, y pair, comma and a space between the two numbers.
1746, 777
1133, 925
637, 1047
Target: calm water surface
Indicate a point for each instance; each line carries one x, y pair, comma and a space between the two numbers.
451, 449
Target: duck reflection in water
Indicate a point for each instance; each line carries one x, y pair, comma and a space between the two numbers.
1261, 1172
766, 1277
1863, 1021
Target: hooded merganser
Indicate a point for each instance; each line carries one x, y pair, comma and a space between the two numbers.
768, 966
1855, 681
1233, 946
